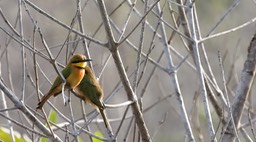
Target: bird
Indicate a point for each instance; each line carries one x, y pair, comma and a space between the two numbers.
89, 91
73, 73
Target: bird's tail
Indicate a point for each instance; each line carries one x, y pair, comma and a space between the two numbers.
108, 126
105, 119
43, 100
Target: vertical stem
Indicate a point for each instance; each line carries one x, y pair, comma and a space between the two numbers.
242, 92
3, 105
121, 70
174, 79
131, 96
72, 120
136, 75
191, 22
80, 22
85, 119
23, 52
106, 22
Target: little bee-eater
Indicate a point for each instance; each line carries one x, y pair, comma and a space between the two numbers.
73, 73
90, 91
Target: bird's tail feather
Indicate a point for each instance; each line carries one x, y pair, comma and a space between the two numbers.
108, 126
43, 100
105, 119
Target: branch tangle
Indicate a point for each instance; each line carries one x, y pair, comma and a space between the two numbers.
242, 91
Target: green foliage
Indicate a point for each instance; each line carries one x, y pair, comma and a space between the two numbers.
80, 139
43, 139
6, 137
52, 118
99, 134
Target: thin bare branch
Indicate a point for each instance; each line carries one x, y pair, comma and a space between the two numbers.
28, 113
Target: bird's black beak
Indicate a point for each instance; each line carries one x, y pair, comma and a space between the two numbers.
85, 60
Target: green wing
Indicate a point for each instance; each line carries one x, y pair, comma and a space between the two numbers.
65, 72
90, 87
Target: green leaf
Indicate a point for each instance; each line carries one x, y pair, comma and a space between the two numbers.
43, 139
52, 116
99, 134
6, 137
80, 139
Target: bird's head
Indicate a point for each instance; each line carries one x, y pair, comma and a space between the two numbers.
79, 60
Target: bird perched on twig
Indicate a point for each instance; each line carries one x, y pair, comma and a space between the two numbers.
90, 91
73, 73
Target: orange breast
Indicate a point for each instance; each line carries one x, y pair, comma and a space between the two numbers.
75, 77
